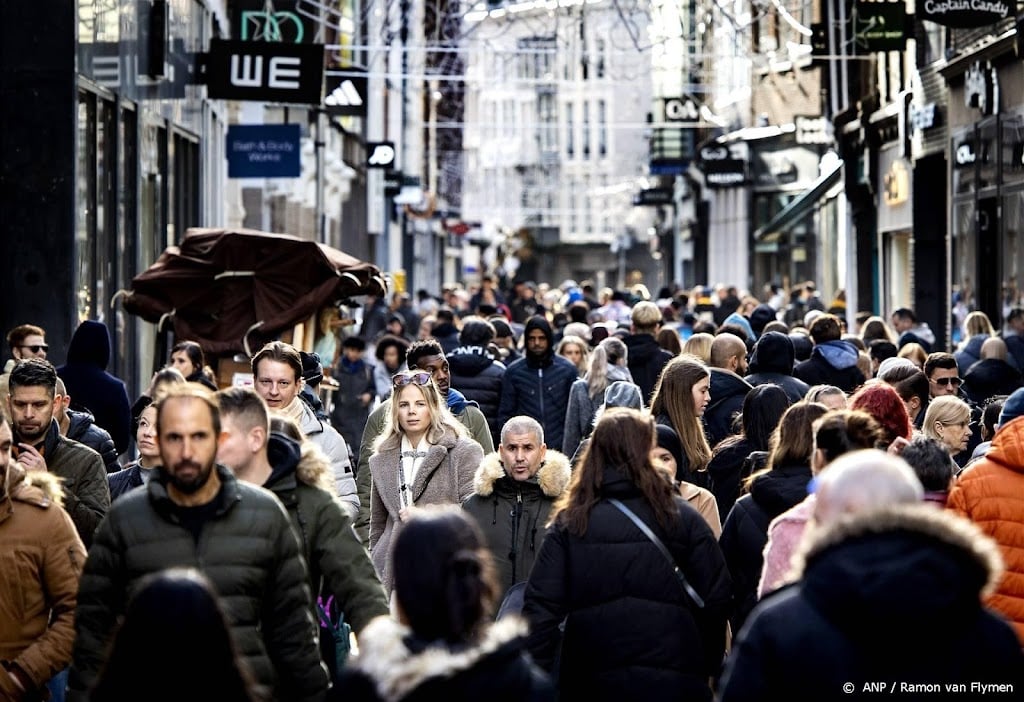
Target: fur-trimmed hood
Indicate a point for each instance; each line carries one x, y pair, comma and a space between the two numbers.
396, 671
35, 487
553, 476
908, 563
307, 461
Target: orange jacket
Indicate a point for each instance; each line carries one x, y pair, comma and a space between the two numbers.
991, 494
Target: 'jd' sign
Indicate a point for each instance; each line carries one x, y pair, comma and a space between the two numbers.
265, 71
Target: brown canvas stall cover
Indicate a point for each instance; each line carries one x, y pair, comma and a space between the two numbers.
225, 287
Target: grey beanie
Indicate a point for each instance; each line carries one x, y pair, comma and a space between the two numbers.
623, 393
1012, 408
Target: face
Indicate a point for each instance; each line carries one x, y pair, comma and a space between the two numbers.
352, 355
31, 412
34, 346
663, 458
944, 381
536, 342
701, 396
955, 435
741, 365
181, 361
833, 401
573, 353
235, 449
413, 412
276, 383
437, 366
900, 324
145, 435
188, 443
522, 455
391, 357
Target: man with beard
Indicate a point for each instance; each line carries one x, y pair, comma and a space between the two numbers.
538, 385
194, 513
39, 446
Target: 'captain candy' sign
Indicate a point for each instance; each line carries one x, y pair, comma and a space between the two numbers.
964, 13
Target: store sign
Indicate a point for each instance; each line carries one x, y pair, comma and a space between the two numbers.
965, 155
116, 65
265, 72
264, 151
279, 21
813, 130
896, 184
964, 13
880, 26
981, 87
723, 165
381, 154
653, 196
347, 95
923, 116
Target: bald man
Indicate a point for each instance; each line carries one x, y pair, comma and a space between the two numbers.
992, 375
728, 388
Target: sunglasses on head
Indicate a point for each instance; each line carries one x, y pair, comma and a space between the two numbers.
36, 348
420, 378
946, 381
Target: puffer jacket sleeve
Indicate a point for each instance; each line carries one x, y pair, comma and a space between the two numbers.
105, 447
336, 450
374, 424
288, 627
62, 568
101, 598
546, 599
346, 567
90, 499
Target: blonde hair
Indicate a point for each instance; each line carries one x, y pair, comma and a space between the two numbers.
609, 352
914, 353
977, 323
699, 345
577, 341
441, 419
945, 409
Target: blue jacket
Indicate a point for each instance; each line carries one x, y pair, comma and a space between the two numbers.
90, 385
539, 388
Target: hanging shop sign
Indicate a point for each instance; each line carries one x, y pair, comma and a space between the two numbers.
813, 130
880, 26
265, 71
723, 165
279, 21
964, 13
264, 151
347, 94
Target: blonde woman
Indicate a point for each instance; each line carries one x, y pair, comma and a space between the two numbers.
575, 349
948, 420
699, 345
680, 398
977, 330
607, 365
423, 456
914, 353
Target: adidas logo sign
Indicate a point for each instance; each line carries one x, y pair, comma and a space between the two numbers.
345, 95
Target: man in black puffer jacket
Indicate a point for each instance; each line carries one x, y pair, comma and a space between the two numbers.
476, 373
728, 388
81, 426
772, 362
538, 385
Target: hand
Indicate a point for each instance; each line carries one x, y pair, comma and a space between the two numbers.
897, 446
407, 513
365, 398
30, 458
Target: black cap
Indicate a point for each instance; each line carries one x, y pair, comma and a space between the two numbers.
312, 368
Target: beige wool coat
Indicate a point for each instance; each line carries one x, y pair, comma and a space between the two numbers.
444, 477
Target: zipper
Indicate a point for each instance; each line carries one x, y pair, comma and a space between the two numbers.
540, 375
517, 516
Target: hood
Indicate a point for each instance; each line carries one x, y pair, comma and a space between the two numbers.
838, 354
780, 488
642, 348
470, 360
396, 670
623, 393
552, 478
741, 321
1007, 447
35, 487
79, 423
90, 344
458, 403
913, 567
761, 316
726, 384
539, 322
305, 460
773, 353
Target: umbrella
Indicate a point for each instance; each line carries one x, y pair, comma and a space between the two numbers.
226, 287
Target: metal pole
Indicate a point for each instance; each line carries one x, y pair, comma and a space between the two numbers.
318, 145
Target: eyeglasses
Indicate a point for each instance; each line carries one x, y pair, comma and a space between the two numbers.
946, 381
36, 348
401, 379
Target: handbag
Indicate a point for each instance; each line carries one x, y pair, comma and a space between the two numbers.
687, 588
335, 641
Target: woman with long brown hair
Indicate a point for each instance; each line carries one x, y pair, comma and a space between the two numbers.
680, 398
771, 491
634, 629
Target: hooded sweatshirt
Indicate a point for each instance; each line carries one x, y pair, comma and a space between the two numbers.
772, 362
831, 363
89, 384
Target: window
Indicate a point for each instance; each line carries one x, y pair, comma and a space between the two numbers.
547, 117
586, 129
570, 142
602, 128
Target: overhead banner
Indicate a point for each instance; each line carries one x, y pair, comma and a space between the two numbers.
964, 14
264, 151
265, 71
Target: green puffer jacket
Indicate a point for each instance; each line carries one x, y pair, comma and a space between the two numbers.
249, 552
338, 563
513, 515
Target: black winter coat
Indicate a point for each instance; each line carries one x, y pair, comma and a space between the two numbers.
125, 480
83, 429
988, 378
728, 391
447, 335
794, 388
725, 472
831, 363
891, 596
645, 359
395, 665
745, 531
630, 632
476, 374
539, 392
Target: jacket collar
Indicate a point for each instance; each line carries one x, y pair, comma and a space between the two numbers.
396, 670
229, 494
552, 478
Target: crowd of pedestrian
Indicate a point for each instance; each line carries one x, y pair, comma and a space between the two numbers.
527, 494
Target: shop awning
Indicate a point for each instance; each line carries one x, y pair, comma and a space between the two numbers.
795, 211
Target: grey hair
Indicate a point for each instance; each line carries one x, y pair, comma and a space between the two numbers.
522, 425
